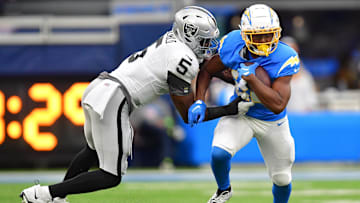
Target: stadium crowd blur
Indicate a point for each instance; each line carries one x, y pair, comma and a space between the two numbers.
326, 38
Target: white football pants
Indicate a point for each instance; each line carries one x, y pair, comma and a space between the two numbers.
111, 137
274, 139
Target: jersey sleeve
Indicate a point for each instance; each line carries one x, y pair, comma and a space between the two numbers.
224, 51
182, 69
289, 66
177, 86
227, 48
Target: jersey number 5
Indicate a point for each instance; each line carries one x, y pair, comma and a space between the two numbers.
183, 66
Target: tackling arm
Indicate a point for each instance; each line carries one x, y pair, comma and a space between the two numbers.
225, 76
274, 98
182, 104
213, 67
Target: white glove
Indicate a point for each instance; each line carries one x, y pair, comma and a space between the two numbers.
243, 107
242, 90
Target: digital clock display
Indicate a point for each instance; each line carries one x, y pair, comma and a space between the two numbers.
38, 114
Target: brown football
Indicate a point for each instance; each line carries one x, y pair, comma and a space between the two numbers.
261, 73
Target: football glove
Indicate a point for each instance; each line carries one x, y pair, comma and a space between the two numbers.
196, 113
243, 70
247, 70
241, 88
243, 107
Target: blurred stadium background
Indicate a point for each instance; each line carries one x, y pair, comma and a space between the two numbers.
51, 49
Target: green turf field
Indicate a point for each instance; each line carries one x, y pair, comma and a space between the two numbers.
188, 192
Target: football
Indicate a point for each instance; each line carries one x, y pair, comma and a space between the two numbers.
261, 73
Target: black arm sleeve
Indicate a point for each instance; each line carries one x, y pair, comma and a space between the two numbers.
219, 111
178, 86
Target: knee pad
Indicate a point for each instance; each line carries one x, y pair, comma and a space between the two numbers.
281, 179
112, 180
116, 181
218, 154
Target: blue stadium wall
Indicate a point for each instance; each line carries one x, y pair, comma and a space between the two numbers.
319, 137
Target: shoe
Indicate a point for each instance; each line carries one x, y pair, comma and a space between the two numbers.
34, 194
221, 197
29, 195
60, 200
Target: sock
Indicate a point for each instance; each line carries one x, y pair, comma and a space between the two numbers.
81, 163
220, 165
281, 193
85, 182
218, 192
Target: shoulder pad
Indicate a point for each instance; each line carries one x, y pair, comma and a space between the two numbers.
228, 46
288, 60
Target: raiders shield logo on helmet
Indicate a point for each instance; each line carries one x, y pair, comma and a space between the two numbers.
190, 30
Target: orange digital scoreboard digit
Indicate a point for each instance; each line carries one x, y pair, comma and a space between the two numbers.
34, 127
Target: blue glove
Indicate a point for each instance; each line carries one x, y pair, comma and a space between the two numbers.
196, 113
243, 70
241, 88
247, 70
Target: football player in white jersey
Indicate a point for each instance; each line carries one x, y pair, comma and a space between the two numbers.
256, 43
167, 66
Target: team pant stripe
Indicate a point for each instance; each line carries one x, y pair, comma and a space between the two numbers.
120, 136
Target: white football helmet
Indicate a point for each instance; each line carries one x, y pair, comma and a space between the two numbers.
197, 28
260, 19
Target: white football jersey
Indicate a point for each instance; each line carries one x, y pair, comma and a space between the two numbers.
166, 65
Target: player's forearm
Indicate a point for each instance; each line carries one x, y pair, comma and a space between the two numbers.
270, 98
210, 69
182, 104
202, 84
219, 111
225, 76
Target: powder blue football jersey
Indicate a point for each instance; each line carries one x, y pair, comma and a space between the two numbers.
283, 61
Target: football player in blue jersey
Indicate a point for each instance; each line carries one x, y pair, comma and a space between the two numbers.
263, 107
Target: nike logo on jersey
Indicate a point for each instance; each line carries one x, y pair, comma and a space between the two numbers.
279, 124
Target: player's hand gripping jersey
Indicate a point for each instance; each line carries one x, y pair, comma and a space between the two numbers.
283, 61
